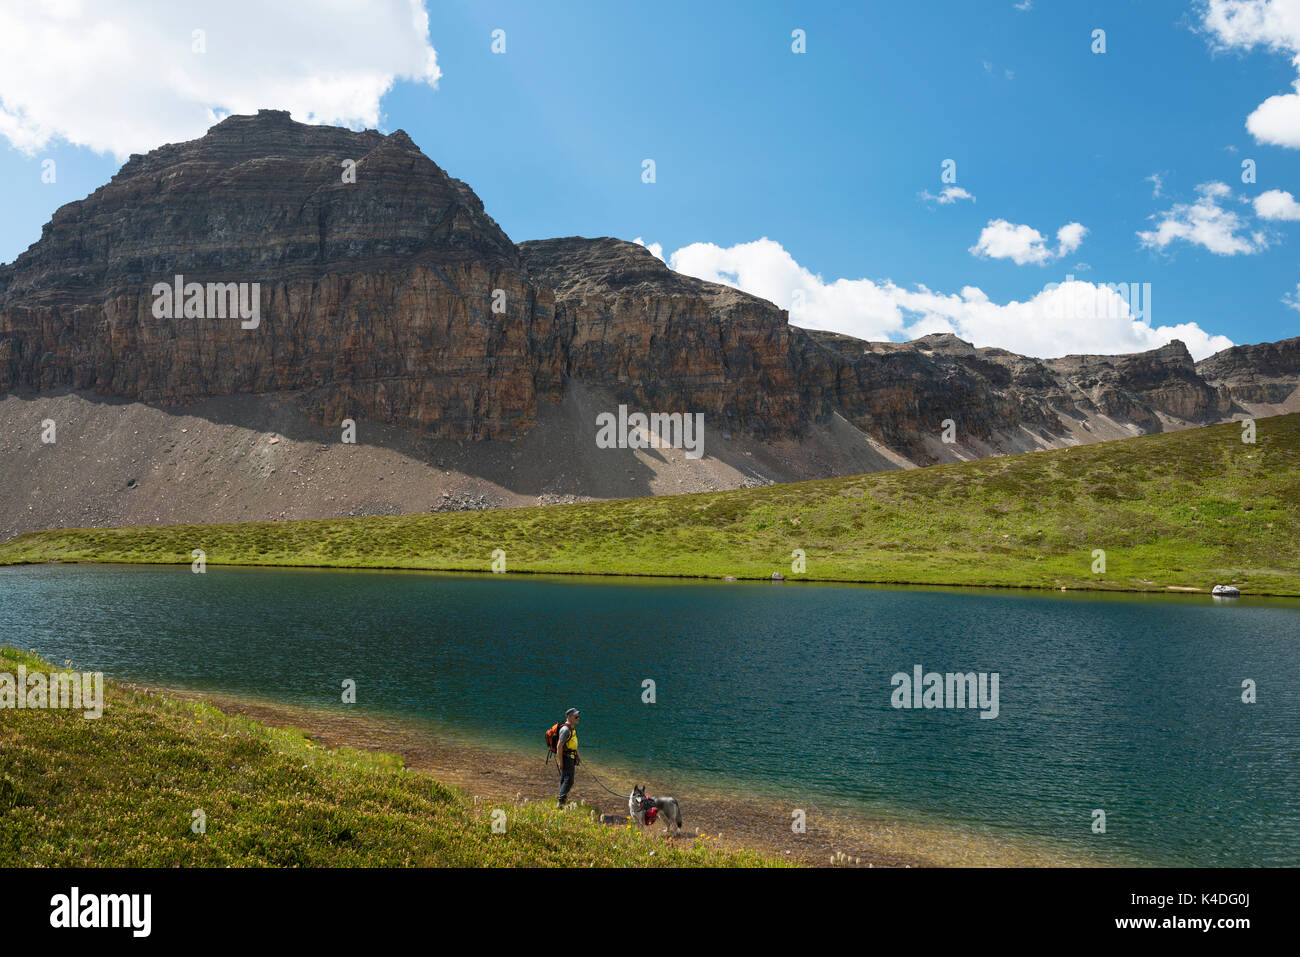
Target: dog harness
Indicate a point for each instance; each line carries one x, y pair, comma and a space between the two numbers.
648, 806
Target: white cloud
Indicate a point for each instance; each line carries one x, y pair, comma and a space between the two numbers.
122, 77
1204, 223
1023, 244
1292, 299
1276, 121
1025, 5
1277, 204
1157, 182
947, 196
1070, 237
1273, 24
656, 249
1006, 72
1075, 317
1247, 23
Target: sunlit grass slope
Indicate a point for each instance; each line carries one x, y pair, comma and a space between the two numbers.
122, 790
1183, 509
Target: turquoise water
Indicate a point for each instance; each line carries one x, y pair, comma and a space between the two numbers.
1127, 704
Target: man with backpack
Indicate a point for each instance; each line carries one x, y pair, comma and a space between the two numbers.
566, 752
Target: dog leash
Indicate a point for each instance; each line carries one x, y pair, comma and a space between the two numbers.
589, 774
602, 784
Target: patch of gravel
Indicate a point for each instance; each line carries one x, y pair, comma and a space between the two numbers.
258, 458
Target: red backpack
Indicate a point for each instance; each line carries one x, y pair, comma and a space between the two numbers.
553, 736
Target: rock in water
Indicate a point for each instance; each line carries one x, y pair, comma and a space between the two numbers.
1226, 591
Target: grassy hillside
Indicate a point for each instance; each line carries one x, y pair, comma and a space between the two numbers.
121, 790
1184, 509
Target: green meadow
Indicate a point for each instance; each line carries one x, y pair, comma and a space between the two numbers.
1186, 509
122, 791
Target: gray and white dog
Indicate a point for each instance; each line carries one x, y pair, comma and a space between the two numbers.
666, 809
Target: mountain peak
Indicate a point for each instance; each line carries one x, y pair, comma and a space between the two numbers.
263, 118
255, 196
575, 267
944, 342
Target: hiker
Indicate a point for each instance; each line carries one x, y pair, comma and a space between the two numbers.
566, 752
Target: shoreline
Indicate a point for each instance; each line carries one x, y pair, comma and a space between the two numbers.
1189, 591
737, 821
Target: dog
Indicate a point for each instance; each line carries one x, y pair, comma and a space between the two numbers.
666, 809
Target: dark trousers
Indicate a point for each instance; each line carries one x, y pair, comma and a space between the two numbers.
566, 779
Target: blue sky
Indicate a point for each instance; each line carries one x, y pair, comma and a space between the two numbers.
827, 154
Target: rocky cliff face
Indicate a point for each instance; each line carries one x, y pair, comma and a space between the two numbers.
1264, 373
376, 296
670, 342
902, 392
391, 295
1137, 388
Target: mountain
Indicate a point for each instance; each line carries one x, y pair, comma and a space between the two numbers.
375, 295
386, 294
